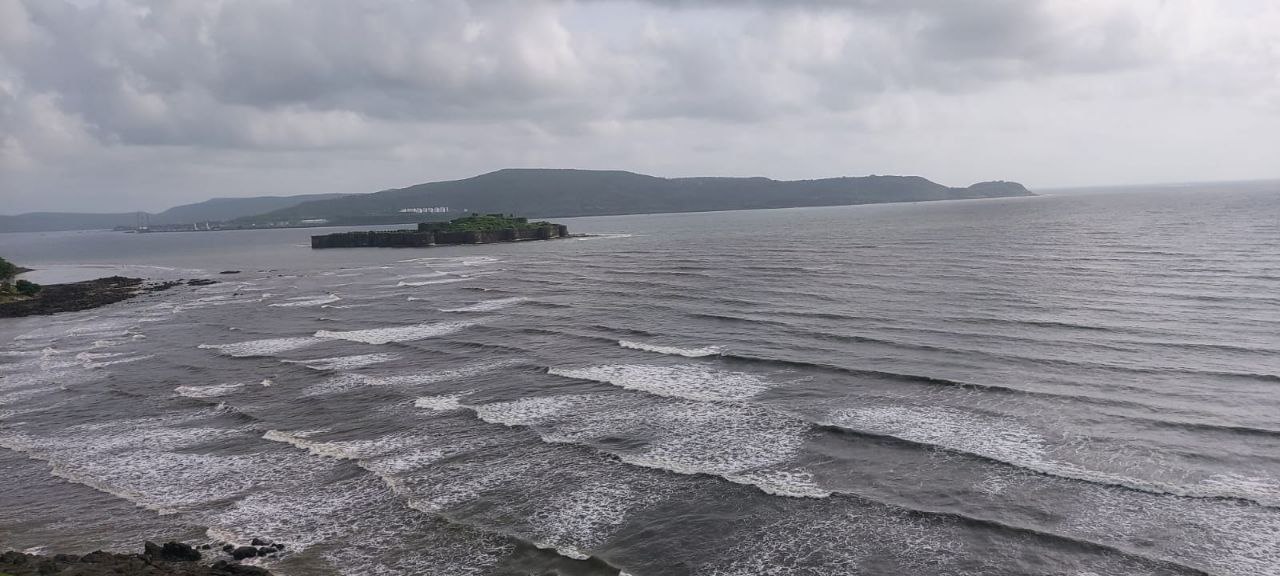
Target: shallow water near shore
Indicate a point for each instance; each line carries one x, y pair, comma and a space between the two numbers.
1053, 385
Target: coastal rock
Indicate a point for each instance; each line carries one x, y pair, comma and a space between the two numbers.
97, 556
266, 550
229, 272
201, 282
260, 542
101, 563
224, 568
244, 552
170, 552
161, 286
55, 298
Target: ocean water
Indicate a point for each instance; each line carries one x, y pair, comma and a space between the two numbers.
1077, 385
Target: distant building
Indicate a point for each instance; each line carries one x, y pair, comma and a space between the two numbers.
314, 221
432, 210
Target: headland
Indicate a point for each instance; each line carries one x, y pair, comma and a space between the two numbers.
75, 296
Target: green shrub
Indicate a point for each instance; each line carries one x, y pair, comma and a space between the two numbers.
7, 269
26, 288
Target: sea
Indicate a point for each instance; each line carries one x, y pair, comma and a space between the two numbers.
1068, 384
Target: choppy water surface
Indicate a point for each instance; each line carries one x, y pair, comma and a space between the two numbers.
1060, 385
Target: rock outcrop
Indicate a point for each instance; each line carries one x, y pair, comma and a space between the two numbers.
56, 298
170, 559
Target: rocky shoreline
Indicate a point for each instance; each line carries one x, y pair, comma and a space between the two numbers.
171, 559
74, 296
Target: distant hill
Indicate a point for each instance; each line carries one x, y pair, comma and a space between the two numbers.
53, 221
215, 210
563, 193
536, 193
223, 209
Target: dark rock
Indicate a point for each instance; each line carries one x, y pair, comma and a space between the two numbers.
279, 546
265, 550
16, 558
201, 282
161, 286
74, 296
229, 272
228, 547
260, 542
205, 546
97, 556
224, 568
244, 552
106, 564
170, 552
178, 552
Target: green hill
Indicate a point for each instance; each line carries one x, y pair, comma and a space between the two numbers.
213, 210
564, 193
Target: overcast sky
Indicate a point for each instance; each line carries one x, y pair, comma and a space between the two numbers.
120, 105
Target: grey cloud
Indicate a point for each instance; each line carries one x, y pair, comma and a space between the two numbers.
163, 73
458, 86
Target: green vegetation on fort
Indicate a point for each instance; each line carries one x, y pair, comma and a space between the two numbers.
483, 223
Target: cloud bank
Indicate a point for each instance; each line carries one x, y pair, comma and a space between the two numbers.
135, 104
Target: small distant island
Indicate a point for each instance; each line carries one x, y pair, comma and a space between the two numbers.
473, 229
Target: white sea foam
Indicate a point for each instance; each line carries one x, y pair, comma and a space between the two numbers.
454, 260
1219, 539
689, 382
672, 350
466, 482
488, 305
527, 411
87, 357
792, 483
344, 382
142, 460
342, 450
113, 362
16, 396
304, 301
386, 456
441, 403
1000, 439
435, 274
433, 282
844, 538
1006, 440
1264, 488
740, 443
267, 347
344, 362
604, 236
396, 333
584, 518
91, 327
211, 391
